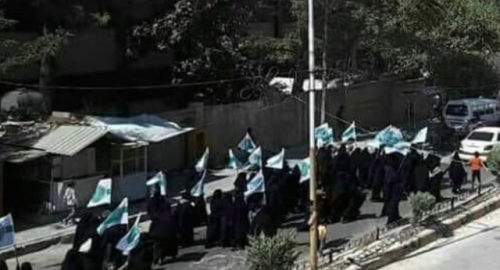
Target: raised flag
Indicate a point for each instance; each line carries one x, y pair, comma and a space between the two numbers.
117, 217
255, 158
160, 180
447, 160
247, 144
202, 164
390, 136
305, 170
131, 239
86, 246
421, 136
323, 135
256, 185
198, 190
276, 162
7, 234
102, 194
234, 163
350, 133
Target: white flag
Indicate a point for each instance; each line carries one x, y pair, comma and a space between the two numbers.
102, 194
131, 239
247, 144
7, 234
202, 164
117, 217
350, 133
276, 162
256, 185
421, 136
160, 180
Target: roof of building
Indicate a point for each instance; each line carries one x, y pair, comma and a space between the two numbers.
68, 139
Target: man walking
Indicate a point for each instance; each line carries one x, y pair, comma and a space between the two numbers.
476, 166
71, 202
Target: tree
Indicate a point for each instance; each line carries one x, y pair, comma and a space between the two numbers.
277, 252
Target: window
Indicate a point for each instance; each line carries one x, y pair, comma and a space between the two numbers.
133, 160
457, 110
481, 136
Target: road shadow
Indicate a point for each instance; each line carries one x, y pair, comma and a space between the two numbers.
189, 257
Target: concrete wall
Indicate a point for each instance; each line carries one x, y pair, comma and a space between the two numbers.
373, 105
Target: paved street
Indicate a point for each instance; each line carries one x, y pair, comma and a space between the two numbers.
198, 258
474, 246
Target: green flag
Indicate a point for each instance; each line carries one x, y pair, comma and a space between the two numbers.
117, 217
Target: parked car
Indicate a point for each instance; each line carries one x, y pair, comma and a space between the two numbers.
481, 140
465, 115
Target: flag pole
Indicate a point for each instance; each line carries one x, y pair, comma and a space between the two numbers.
312, 151
17, 256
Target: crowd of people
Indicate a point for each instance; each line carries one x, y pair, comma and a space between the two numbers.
345, 178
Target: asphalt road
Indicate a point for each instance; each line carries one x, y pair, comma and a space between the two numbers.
199, 258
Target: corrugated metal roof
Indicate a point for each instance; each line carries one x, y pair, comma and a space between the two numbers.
69, 140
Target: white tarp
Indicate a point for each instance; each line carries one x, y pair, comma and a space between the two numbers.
143, 128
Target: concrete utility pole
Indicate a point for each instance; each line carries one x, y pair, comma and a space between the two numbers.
313, 235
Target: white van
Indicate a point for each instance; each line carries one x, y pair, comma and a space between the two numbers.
465, 115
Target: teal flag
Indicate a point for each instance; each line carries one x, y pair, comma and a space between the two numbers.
277, 161
323, 135
160, 180
202, 164
350, 133
131, 239
117, 217
390, 136
102, 194
256, 185
247, 144
198, 190
305, 170
234, 163
255, 158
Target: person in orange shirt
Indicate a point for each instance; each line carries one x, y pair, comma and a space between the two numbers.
476, 165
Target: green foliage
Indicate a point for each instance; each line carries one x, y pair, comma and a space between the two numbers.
421, 203
34, 50
276, 253
494, 160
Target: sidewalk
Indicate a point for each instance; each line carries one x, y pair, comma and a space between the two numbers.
474, 246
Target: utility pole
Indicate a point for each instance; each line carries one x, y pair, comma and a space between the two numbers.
324, 61
313, 234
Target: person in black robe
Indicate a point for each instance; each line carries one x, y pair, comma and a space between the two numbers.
26, 266
240, 184
240, 221
378, 177
110, 239
273, 199
3, 265
436, 178
355, 198
291, 196
142, 256
155, 204
85, 229
214, 228
457, 174
227, 232
421, 175
200, 211
262, 222
365, 159
185, 218
164, 231
72, 261
394, 188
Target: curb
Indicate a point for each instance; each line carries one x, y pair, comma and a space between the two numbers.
64, 236
428, 236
